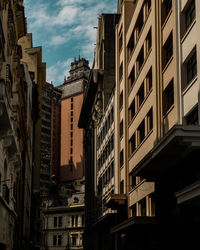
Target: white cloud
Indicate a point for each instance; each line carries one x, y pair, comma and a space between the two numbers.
56, 72
57, 40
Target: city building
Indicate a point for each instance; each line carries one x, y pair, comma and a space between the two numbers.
71, 149
16, 130
64, 221
97, 118
157, 124
32, 56
50, 136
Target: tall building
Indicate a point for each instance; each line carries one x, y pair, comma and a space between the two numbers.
71, 157
97, 118
50, 137
157, 112
156, 142
32, 56
16, 130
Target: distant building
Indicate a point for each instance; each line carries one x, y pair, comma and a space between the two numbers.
50, 136
64, 222
71, 157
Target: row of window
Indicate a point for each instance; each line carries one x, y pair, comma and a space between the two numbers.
142, 17
58, 240
74, 219
145, 88
106, 152
106, 177
108, 123
143, 130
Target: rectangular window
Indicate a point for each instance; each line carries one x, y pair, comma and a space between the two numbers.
72, 220
192, 117
139, 22
140, 95
121, 156
166, 8
131, 78
149, 80
60, 221
167, 50
140, 59
121, 100
143, 210
59, 240
150, 120
83, 220
192, 67
121, 72
168, 97
141, 132
131, 44
132, 144
54, 240
148, 41
55, 221
132, 110
121, 127
74, 239
190, 14
122, 187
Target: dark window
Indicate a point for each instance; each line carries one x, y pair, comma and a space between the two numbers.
132, 144
149, 80
120, 40
122, 187
192, 67
74, 239
140, 95
120, 71
121, 129
149, 41
132, 110
192, 117
132, 78
54, 240
167, 50
166, 8
168, 97
150, 120
121, 100
141, 131
121, 156
190, 14
140, 58
55, 221
60, 221
143, 207
131, 44
140, 22
59, 240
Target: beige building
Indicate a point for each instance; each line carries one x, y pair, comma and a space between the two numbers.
156, 112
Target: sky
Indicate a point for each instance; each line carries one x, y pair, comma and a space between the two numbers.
65, 29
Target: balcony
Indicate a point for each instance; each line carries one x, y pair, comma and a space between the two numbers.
176, 145
115, 201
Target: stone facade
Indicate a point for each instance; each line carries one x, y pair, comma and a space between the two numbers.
16, 130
